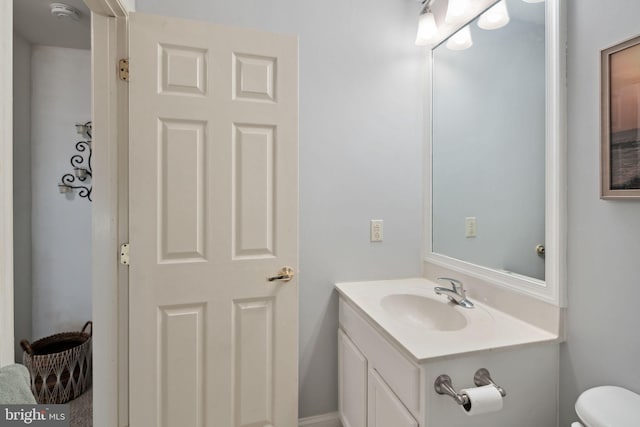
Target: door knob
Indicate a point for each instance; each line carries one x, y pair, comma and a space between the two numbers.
285, 274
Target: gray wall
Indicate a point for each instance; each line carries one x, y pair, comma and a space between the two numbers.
21, 190
361, 132
603, 345
488, 146
61, 224
361, 115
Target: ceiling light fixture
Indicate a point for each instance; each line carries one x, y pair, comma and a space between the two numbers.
427, 28
460, 40
456, 11
63, 11
496, 17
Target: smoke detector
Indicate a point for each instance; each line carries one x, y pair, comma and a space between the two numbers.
64, 11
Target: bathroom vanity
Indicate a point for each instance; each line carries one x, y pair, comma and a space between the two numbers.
397, 336
495, 219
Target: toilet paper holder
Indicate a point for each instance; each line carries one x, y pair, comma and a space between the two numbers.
482, 377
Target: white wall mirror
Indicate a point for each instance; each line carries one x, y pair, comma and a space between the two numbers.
496, 198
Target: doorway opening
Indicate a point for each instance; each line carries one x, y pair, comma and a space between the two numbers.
52, 222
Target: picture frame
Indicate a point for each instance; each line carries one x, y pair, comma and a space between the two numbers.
620, 121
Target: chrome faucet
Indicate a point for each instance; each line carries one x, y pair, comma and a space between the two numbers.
456, 294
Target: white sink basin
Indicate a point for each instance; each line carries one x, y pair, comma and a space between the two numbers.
427, 326
424, 312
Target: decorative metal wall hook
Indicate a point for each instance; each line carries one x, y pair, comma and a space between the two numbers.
81, 164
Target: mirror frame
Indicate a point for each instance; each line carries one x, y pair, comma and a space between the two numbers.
553, 288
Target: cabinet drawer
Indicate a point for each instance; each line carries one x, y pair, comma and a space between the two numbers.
402, 375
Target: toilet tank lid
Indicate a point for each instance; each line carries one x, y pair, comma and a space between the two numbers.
608, 406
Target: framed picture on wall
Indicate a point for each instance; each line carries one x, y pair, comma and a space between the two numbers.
620, 121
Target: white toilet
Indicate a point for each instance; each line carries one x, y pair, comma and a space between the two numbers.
608, 406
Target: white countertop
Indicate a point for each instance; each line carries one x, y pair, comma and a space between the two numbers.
486, 328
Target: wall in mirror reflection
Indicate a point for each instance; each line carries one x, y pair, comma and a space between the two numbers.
489, 144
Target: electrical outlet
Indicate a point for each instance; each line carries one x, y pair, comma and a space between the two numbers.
376, 230
470, 229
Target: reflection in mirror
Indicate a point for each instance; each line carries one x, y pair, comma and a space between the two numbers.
488, 144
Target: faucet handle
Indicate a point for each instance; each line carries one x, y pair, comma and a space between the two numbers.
456, 285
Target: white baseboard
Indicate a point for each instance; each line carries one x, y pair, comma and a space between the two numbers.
331, 419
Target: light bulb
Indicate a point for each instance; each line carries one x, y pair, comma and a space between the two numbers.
456, 11
460, 40
496, 17
533, 1
427, 29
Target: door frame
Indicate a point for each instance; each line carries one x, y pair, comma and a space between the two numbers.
110, 213
110, 208
6, 183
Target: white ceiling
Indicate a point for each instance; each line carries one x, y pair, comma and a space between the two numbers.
32, 19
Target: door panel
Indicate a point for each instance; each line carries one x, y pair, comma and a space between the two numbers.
182, 169
181, 364
352, 374
252, 346
213, 213
253, 191
384, 407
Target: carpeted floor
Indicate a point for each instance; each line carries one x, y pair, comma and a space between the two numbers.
81, 410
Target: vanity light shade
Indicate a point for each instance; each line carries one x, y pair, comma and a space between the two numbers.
460, 40
533, 1
496, 17
456, 11
427, 29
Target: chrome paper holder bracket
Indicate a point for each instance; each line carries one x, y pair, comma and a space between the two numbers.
443, 386
481, 378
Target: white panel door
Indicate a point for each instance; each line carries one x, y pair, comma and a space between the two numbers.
384, 407
214, 212
352, 383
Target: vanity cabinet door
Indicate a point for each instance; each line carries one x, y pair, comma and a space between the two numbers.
352, 374
385, 409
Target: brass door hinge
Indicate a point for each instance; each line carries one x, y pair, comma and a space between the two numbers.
124, 254
123, 69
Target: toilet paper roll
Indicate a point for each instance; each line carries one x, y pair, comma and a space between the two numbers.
482, 400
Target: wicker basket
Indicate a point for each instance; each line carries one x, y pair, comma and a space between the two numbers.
60, 365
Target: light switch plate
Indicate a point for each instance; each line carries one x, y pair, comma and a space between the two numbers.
376, 230
470, 229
